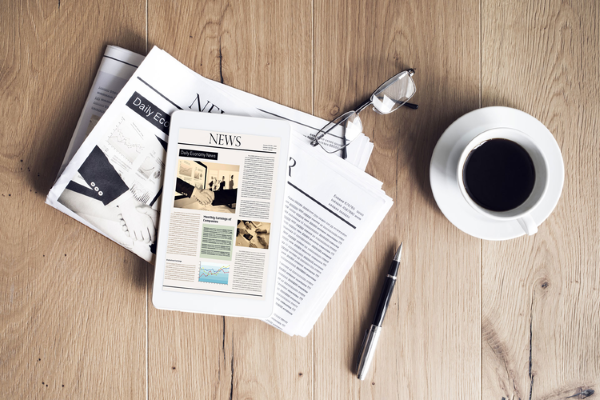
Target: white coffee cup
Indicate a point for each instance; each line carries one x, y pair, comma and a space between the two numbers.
521, 213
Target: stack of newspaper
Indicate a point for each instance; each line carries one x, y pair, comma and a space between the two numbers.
112, 174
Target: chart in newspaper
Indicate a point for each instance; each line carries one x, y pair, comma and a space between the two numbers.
222, 207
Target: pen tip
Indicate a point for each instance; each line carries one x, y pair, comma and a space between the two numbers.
398, 253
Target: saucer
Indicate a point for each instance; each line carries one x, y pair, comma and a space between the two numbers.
444, 180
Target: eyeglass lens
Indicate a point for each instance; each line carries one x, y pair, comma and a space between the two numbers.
394, 93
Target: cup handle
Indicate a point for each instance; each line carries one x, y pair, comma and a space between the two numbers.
528, 224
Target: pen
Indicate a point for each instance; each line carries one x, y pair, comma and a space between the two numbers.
372, 335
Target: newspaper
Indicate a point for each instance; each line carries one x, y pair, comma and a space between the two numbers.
113, 183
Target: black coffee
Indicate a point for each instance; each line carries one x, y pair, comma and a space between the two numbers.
499, 175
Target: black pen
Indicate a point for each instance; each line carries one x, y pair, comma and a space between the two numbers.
372, 335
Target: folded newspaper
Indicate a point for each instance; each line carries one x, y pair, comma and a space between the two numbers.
111, 179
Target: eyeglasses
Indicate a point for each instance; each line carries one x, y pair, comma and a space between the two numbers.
390, 96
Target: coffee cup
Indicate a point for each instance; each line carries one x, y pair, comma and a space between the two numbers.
503, 174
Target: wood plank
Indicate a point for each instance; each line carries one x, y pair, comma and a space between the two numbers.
72, 304
540, 319
430, 345
539, 295
264, 48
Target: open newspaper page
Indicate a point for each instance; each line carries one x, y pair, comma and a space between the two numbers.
116, 67
223, 206
113, 183
329, 217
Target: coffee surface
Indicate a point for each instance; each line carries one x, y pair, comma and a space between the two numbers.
499, 175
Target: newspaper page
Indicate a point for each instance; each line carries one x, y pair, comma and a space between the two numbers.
223, 206
116, 67
114, 182
329, 216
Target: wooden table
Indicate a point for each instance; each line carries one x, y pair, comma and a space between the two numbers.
469, 319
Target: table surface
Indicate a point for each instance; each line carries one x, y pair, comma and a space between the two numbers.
469, 318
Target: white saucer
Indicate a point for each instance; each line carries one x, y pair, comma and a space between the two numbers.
444, 162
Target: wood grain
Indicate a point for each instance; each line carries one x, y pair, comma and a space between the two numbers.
540, 294
72, 303
264, 48
469, 319
430, 345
